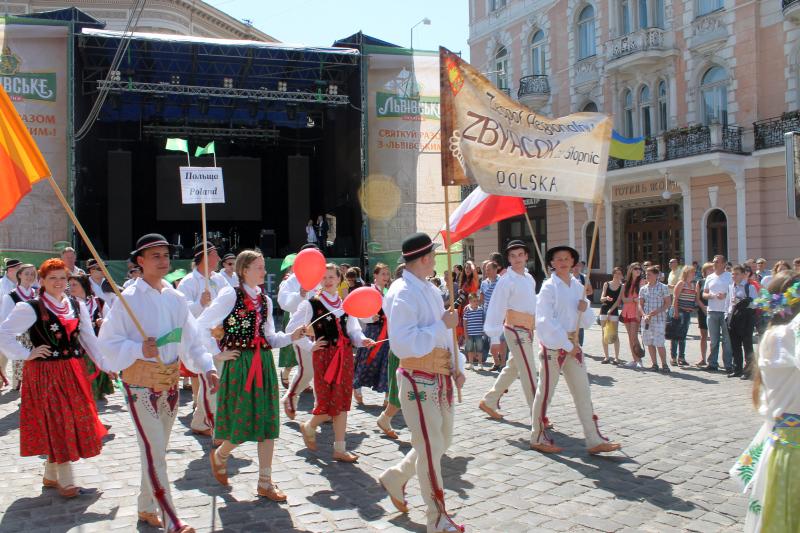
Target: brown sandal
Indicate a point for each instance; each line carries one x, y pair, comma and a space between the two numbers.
389, 432
70, 491
151, 519
605, 448
309, 440
546, 448
49, 483
288, 408
271, 493
345, 457
219, 470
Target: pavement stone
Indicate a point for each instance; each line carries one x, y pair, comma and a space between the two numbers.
680, 434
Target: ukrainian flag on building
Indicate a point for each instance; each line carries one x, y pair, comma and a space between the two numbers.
625, 148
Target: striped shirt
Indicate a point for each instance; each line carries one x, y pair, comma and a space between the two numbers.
487, 288
473, 320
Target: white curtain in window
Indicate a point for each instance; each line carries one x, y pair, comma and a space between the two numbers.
586, 42
537, 54
714, 91
707, 6
628, 116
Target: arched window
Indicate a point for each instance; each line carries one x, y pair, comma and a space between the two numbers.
644, 111
625, 17
707, 6
627, 100
537, 53
714, 91
643, 22
716, 234
586, 44
662, 106
501, 68
590, 107
588, 245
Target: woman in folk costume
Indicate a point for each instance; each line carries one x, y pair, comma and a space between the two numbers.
24, 291
81, 289
332, 352
58, 418
392, 405
248, 399
287, 357
372, 364
770, 467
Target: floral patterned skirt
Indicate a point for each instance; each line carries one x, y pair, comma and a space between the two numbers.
332, 398
287, 358
769, 471
394, 389
375, 374
58, 417
244, 416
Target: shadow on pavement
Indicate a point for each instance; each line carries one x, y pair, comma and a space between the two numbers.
278, 515
30, 513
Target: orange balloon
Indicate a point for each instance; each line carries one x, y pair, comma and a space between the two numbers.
309, 267
364, 302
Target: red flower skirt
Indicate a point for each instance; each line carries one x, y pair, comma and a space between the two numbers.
332, 398
57, 416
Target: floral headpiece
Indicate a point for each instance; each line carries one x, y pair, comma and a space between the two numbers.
779, 304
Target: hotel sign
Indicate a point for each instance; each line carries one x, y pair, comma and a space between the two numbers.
642, 189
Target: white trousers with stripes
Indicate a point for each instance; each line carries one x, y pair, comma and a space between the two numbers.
521, 363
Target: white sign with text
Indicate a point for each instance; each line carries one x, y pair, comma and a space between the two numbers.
202, 185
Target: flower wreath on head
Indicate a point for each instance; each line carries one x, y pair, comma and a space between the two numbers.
778, 304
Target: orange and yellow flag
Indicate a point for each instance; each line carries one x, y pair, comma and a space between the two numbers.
21, 162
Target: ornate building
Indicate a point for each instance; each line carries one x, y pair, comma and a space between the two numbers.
711, 84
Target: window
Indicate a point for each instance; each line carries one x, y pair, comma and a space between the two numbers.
501, 68
643, 14
662, 106
716, 234
586, 44
714, 91
644, 111
537, 54
590, 107
494, 5
628, 115
625, 13
658, 19
707, 6
589, 235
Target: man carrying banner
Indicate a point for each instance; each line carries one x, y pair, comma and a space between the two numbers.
151, 387
290, 295
562, 307
420, 335
199, 294
512, 309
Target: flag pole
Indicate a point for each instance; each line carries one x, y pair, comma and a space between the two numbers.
96, 256
598, 211
536, 243
450, 287
202, 224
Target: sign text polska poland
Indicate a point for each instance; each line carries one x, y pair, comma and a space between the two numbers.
202, 185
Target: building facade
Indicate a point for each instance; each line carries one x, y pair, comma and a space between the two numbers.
179, 17
711, 84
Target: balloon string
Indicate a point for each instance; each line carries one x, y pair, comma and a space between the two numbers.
320, 318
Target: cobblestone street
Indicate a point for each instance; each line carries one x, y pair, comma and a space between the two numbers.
680, 435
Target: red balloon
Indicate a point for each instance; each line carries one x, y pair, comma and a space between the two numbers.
364, 302
309, 267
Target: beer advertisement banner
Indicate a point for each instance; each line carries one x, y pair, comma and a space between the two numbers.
402, 192
33, 71
510, 150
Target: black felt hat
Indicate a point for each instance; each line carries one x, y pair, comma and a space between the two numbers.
197, 251
417, 245
308, 245
552, 251
228, 256
91, 263
516, 245
11, 263
151, 240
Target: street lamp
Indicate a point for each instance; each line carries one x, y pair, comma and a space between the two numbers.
425, 21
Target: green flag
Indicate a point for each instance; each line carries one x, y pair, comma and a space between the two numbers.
204, 150
178, 145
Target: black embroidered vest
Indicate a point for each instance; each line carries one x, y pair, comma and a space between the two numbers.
327, 326
240, 324
49, 331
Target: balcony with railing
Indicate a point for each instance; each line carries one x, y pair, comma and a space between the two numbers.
769, 133
534, 91
640, 48
686, 142
791, 9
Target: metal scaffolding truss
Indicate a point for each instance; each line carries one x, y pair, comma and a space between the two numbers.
162, 130
224, 92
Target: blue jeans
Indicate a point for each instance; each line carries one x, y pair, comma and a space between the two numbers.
716, 328
678, 348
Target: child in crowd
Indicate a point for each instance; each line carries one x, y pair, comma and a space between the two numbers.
473, 324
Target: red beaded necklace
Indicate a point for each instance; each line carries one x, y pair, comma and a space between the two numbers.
25, 297
333, 303
59, 310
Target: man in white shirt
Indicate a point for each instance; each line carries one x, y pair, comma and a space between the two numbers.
199, 294
151, 388
421, 336
134, 273
69, 257
101, 287
290, 295
228, 262
717, 292
9, 282
561, 309
512, 309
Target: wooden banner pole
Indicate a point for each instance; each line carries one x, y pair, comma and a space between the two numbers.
536, 244
451, 287
598, 212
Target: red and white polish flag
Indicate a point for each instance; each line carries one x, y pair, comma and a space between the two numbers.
479, 210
